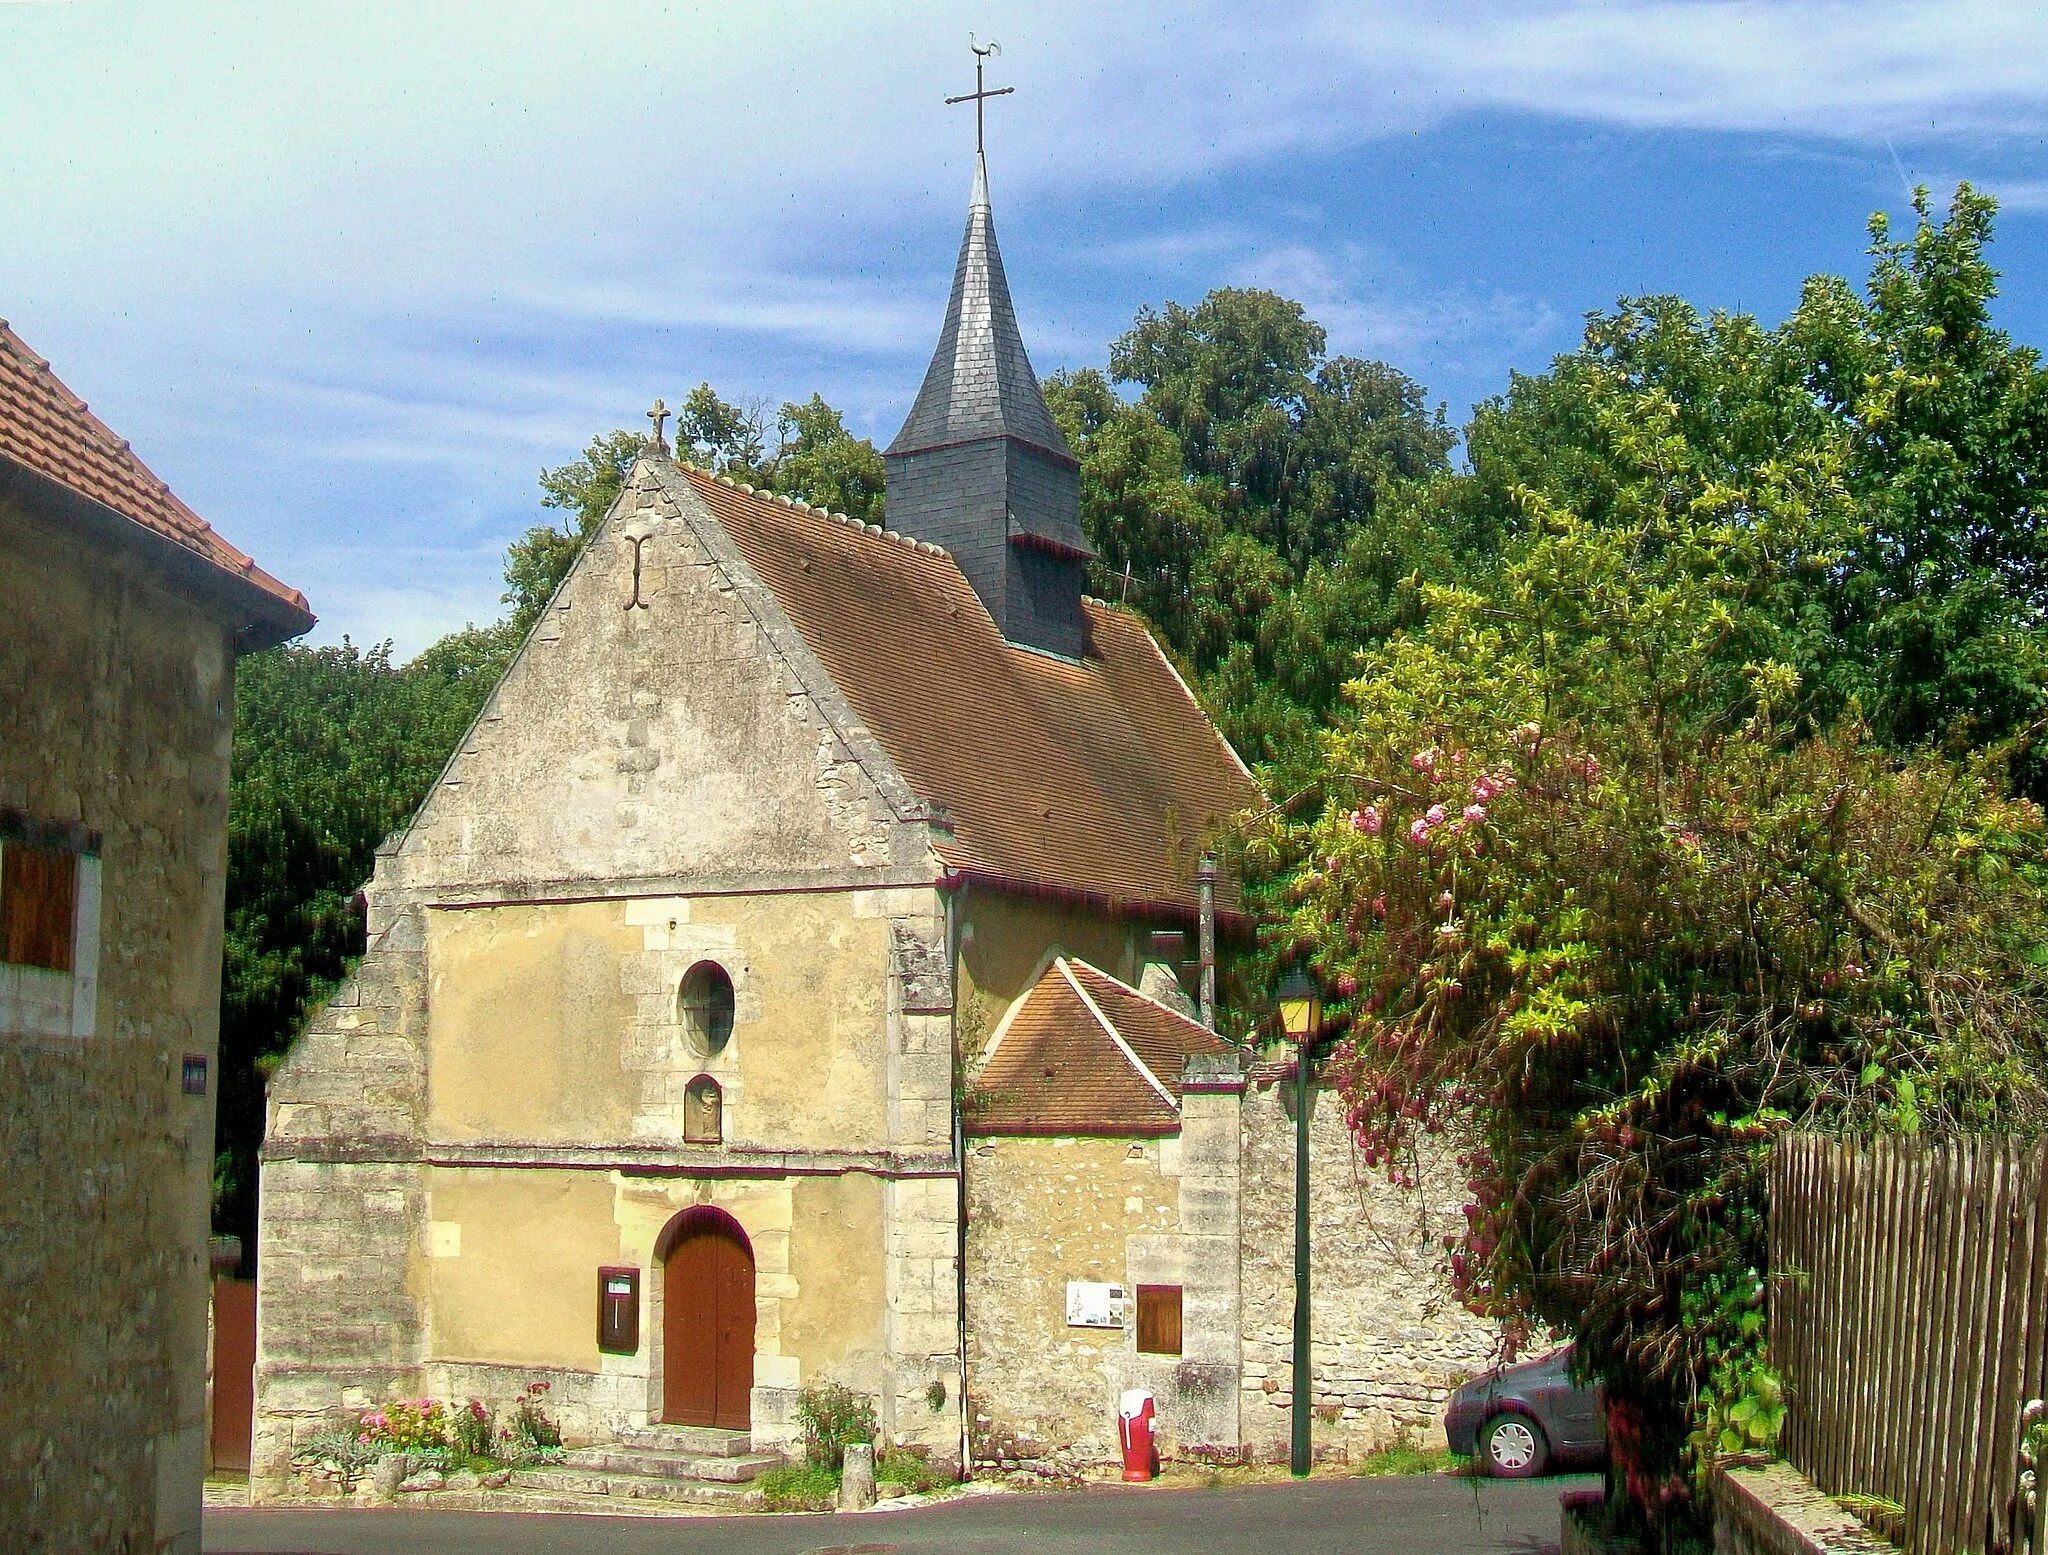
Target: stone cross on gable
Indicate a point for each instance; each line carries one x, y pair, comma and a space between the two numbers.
980, 95
659, 416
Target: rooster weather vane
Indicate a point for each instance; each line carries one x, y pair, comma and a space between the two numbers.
980, 94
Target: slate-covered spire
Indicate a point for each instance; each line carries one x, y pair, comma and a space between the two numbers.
980, 466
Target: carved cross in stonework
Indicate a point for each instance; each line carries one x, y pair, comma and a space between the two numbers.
979, 96
659, 416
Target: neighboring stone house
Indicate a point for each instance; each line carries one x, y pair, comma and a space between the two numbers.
781, 832
123, 614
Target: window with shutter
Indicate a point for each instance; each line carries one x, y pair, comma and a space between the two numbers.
38, 905
1159, 1319
49, 927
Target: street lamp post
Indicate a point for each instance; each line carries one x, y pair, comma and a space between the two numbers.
1301, 1014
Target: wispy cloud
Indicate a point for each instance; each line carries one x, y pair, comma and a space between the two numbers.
361, 270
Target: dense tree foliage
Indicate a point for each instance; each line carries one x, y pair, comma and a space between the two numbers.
1692, 815
333, 750
1256, 501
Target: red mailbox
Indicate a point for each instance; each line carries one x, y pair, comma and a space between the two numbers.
1134, 1430
618, 1310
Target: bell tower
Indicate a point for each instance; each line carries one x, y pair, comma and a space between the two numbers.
980, 467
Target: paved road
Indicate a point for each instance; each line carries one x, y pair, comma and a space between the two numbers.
1417, 1516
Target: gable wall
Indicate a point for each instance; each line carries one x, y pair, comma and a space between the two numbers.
1043, 1212
497, 1094
666, 742
1013, 938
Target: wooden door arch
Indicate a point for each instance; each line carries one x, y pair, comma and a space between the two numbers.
707, 1320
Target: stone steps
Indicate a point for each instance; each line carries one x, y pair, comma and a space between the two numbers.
664, 1463
528, 1501
695, 1441
614, 1489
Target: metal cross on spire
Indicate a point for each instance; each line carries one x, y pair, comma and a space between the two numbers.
980, 94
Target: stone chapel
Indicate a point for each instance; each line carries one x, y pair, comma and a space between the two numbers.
771, 991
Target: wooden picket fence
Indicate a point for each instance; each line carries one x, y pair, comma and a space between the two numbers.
1909, 1318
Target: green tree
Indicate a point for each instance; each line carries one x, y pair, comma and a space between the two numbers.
819, 461
723, 438
1927, 614
334, 748
585, 490
1253, 503
1622, 859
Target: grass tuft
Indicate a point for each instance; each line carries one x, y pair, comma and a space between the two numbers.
799, 1487
1404, 1457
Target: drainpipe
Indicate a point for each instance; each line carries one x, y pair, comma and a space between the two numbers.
954, 898
1205, 877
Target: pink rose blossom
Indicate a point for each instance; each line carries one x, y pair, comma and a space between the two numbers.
1475, 813
1434, 815
1418, 830
1369, 820
1424, 761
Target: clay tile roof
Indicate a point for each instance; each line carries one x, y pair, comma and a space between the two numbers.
1101, 779
1081, 1053
47, 430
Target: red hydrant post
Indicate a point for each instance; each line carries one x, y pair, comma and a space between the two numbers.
1134, 1416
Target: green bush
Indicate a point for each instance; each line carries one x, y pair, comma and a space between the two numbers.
799, 1487
831, 1416
906, 1467
530, 1434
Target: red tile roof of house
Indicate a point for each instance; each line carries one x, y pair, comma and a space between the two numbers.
1101, 778
1081, 1053
47, 430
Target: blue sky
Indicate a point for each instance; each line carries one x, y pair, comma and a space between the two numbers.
349, 275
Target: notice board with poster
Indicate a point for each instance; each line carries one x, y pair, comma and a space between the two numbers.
1094, 1305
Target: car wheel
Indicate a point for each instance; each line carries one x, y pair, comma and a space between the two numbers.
1512, 1447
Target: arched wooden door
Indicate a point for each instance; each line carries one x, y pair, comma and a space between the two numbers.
707, 1322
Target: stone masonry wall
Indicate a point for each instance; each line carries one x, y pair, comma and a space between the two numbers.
1042, 1212
116, 717
342, 1221
1389, 1342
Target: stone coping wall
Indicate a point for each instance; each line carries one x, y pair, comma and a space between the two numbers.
1772, 1509
1390, 1342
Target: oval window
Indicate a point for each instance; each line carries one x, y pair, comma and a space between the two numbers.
706, 1001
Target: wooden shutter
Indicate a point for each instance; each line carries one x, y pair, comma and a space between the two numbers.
38, 900
1159, 1319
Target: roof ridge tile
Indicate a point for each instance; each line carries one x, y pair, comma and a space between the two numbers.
1139, 993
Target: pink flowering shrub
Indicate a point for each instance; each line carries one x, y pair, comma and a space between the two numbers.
407, 1427
1620, 918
